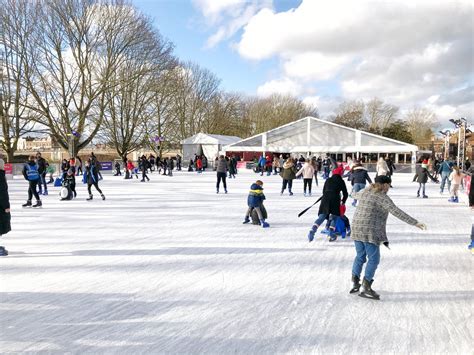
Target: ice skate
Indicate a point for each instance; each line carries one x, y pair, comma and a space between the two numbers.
264, 224
355, 284
246, 220
38, 204
367, 291
89, 198
27, 204
103, 197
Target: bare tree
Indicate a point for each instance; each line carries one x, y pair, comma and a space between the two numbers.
380, 115
16, 119
421, 123
351, 114
76, 47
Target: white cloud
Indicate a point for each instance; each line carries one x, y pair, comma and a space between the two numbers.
280, 86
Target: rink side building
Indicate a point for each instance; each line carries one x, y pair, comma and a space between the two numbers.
312, 136
205, 144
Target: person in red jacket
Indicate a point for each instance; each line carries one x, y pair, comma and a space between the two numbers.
268, 165
199, 165
131, 168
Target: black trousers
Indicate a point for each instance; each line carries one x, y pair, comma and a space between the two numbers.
96, 185
32, 190
307, 183
285, 183
221, 176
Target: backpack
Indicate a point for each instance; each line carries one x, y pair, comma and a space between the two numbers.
32, 172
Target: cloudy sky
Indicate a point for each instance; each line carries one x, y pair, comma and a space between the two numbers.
411, 53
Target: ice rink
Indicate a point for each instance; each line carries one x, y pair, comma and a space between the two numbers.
168, 267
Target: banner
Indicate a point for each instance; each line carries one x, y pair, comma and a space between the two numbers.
467, 184
8, 168
106, 165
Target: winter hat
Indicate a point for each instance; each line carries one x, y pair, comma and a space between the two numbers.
382, 179
2, 164
338, 171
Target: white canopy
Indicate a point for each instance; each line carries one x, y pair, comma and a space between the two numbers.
313, 135
207, 144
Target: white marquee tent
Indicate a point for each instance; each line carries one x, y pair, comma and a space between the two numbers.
312, 135
207, 144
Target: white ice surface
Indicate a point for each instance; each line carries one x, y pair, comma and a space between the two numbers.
168, 267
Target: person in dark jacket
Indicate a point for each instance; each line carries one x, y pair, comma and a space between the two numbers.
221, 169
288, 173
91, 177
330, 203
69, 183
64, 168
42, 165
5, 225
421, 177
232, 167
359, 176
31, 174
178, 162
170, 166
144, 165
255, 202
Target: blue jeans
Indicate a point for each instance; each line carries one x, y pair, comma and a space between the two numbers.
444, 178
364, 250
357, 187
322, 217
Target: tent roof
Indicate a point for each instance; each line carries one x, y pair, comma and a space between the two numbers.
312, 134
204, 138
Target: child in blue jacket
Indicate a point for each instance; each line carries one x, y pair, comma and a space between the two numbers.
255, 201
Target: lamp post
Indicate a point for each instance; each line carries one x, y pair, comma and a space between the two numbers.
461, 126
446, 134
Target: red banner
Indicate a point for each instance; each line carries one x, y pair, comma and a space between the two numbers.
8, 168
467, 184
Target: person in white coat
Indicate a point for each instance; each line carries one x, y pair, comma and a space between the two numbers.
307, 171
382, 167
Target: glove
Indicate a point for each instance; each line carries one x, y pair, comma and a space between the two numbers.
420, 225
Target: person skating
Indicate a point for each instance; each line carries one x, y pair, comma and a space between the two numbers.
359, 177
444, 170
255, 202
170, 166
178, 162
78, 166
232, 167
288, 174
261, 164
307, 171
69, 183
91, 177
421, 177
117, 169
456, 179
369, 232
30, 173
5, 217
382, 167
144, 166
221, 169
330, 203
42, 166
198, 165
64, 168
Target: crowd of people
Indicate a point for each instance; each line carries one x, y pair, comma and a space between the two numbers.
372, 204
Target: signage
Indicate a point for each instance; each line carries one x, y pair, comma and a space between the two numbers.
106, 165
8, 168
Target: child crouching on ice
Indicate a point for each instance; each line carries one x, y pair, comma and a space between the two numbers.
255, 202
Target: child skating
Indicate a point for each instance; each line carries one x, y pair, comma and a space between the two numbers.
255, 202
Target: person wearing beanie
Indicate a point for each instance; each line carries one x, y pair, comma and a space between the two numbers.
5, 225
369, 231
330, 204
31, 174
255, 202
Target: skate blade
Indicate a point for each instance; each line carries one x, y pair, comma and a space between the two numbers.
354, 291
363, 295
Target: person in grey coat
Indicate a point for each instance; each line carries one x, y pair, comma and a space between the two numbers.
221, 169
369, 231
5, 217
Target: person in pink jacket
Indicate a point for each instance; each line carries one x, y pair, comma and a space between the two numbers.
455, 177
308, 172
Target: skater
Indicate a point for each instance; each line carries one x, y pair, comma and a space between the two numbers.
91, 177
204, 163
268, 165
288, 174
369, 231
359, 176
69, 184
421, 177
131, 169
308, 172
151, 159
326, 167
316, 167
190, 166
50, 171
470, 172
117, 169
64, 168
42, 166
5, 217
78, 166
456, 179
170, 166
144, 166
198, 165
445, 170
276, 165
330, 204
382, 167
255, 202
232, 167
178, 162
30, 173
261, 164
221, 169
